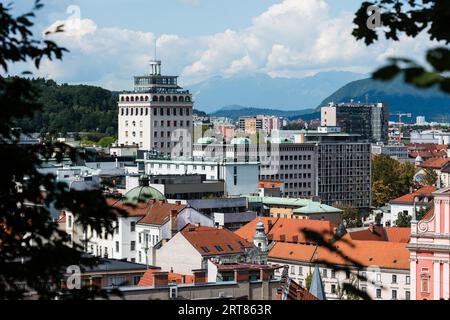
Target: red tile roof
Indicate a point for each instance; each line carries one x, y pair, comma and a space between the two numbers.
270, 184
435, 163
409, 198
159, 213
378, 233
288, 230
147, 278
210, 241
390, 255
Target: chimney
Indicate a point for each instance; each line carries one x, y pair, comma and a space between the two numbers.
173, 221
283, 238
269, 224
160, 279
178, 202
295, 239
200, 276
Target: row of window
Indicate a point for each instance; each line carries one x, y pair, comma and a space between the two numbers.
144, 111
155, 98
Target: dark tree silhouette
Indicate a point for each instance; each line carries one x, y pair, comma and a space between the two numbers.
411, 18
33, 251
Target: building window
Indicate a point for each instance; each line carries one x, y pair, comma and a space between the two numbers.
117, 246
407, 295
333, 274
292, 269
394, 294
424, 284
394, 278
378, 277
133, 245
333, 289
408, 279
132, 226
300, 271
378, 293
325, 275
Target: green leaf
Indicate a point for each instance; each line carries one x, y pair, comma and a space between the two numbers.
386, 73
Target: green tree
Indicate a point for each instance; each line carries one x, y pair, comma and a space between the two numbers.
411, 18
350, 216
33, 251
106, 142
403, 220
430, 177
390, 179
308, 280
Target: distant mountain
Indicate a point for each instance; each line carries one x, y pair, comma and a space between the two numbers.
399, 96
262, 91
236, 111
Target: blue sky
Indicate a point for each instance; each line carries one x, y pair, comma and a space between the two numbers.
111, 40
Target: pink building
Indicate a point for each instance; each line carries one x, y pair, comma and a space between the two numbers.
430, 251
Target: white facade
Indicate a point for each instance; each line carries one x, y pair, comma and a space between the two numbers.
430, 136
156, 115
383, 284
241, 178
389, 219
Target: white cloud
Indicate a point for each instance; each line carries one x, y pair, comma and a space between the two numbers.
292, 38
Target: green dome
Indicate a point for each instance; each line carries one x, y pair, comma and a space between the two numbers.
241, 140
142, 194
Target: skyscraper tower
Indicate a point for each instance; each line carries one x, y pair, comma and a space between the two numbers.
157, 114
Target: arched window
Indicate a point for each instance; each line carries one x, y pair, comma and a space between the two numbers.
161, 98
146, 98
146, 111
121, 111
126, 111
142, 111
122, 99
131, 111
155, 98
168, 99
128, 99
175, 99
181, 99
187, 99
132, 99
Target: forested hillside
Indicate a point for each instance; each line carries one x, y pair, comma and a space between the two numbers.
73, 108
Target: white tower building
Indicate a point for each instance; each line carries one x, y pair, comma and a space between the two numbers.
157, 115
260, 238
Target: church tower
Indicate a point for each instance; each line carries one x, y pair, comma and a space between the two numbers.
260, 238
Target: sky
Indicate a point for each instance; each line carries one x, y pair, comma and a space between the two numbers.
110, 41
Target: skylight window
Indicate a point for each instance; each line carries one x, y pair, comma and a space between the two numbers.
219, 248
205, 249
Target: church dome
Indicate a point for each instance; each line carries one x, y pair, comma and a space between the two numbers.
143, 193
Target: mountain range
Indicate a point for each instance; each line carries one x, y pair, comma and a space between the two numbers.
263, 91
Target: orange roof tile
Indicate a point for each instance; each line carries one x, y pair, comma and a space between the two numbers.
289, 229
147, 279
390, 234
214, 241
391, 255
409, 198
159, 213
435, 163
248, 230
270, 184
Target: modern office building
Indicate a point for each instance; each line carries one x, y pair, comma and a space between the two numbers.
369, 120
157, 114
251, 125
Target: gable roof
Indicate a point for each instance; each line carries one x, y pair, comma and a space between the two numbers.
378, 233
316, 207
409, 198
209, 241
288, 230
390, 255
158, 213
435, 163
